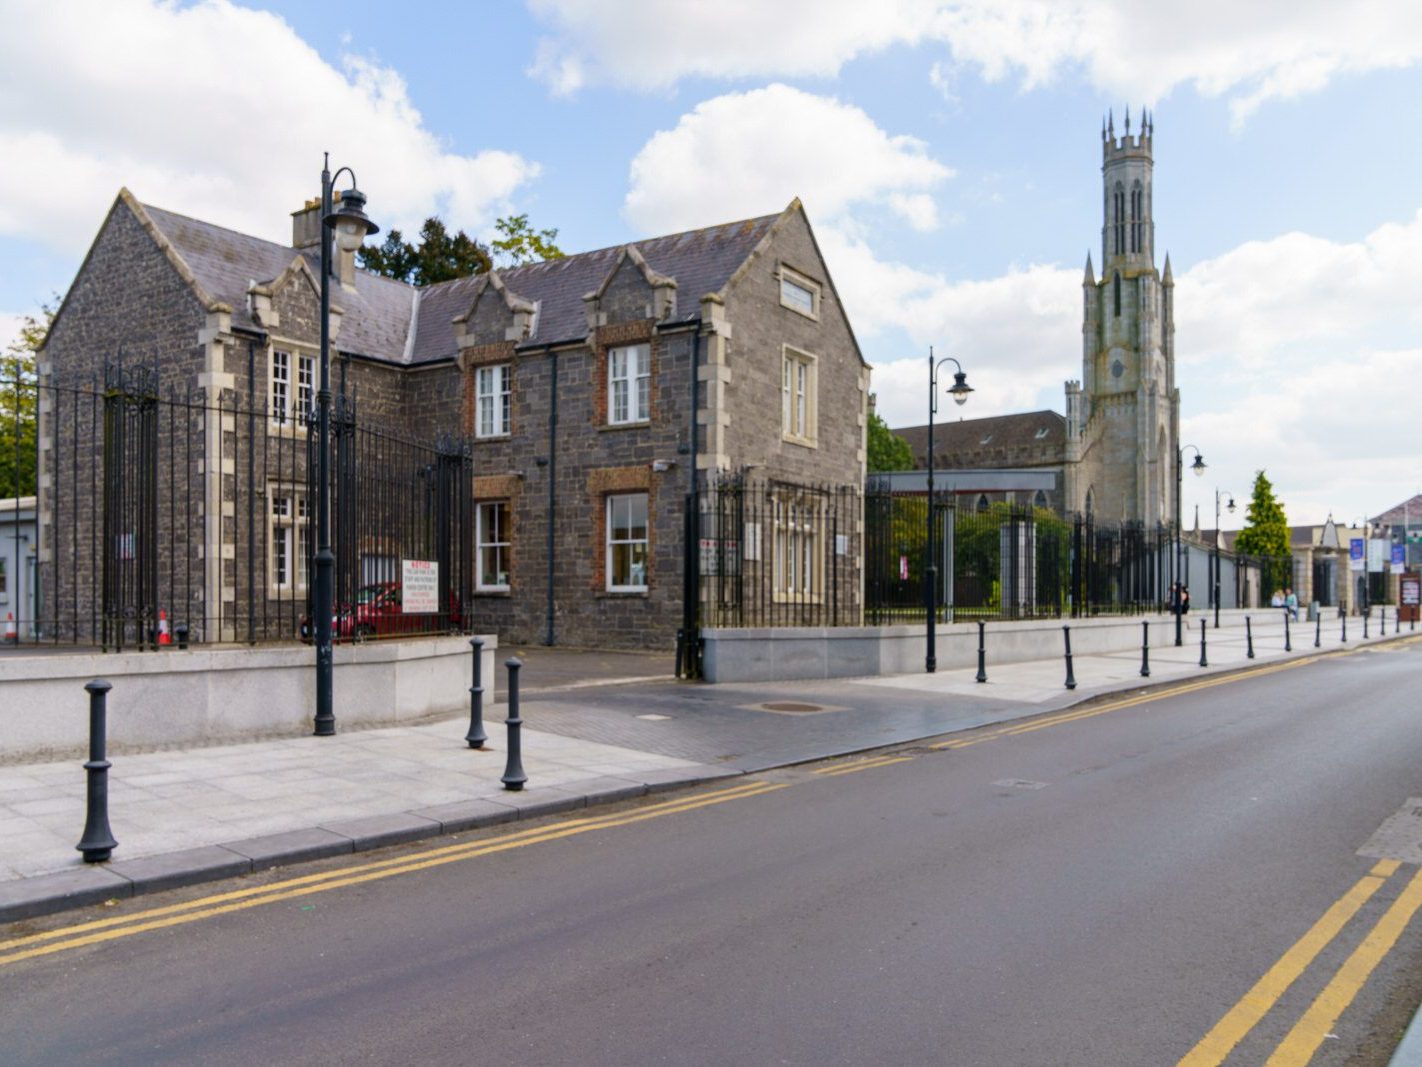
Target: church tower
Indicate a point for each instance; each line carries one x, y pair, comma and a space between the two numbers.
1123, 416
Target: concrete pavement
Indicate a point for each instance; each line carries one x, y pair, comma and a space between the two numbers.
186, 816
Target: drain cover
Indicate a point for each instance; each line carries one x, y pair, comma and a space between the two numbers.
791, 705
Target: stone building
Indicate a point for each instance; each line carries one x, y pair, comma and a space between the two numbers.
594, 391
1117, 447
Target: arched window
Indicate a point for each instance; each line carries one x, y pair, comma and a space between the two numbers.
1137, 212
1118, 205
982, 502
1116, 293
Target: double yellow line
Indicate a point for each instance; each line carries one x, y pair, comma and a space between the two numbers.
1078, 714
119, 926
1299, 1046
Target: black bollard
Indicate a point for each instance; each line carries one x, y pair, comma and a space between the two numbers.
1344, 638
514, 778
982, 653
476, 735
1318, 630
1070, 678
1366, 613
1382, 621
1145, 648
1248, 640
98, 842
1288, 644
1203, 661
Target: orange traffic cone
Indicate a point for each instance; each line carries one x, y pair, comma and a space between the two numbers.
164, 637
11, 637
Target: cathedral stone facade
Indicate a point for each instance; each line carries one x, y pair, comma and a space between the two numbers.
1123, 417
1118, 449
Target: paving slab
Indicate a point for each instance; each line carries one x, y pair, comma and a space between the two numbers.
294, 846
378, 831
26, 898
172, 870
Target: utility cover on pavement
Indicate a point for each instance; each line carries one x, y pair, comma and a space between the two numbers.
1399, 837
791, 707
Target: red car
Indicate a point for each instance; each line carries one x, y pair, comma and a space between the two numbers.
378, 613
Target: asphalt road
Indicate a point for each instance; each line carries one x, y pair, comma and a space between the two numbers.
1096, 887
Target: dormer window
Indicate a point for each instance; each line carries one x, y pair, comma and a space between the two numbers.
629, 384
798, 293
1041, 432
293, 387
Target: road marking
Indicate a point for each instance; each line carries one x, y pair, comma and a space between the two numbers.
1308, 1033
1078, 714
837, 769
1265, 993
174, 915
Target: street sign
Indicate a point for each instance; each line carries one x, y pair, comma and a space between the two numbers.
1355, 553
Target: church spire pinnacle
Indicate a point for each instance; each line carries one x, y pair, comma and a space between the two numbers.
1089, 279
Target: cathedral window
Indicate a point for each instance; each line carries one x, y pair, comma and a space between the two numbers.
1137, 210
1118, 212
1116, 294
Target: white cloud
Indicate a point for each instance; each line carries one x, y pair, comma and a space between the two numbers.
146, 97
10, 323
1253, 52
745, 154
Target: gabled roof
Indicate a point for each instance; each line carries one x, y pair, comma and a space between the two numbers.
379, 318
1409, 511
963, 437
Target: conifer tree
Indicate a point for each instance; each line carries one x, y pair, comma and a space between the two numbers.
1267, 530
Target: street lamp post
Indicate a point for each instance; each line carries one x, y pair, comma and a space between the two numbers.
1230, 507
349, 225
959, 391
1199, 468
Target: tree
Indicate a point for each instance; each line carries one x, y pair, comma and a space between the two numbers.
1267, 531
521, 244
19, 404
440, 256
437, 258
887, 450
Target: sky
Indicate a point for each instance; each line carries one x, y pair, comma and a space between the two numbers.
947, 153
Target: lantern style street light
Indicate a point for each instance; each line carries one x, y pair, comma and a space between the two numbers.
1199, 468
1230, 508
349, 225
959, 391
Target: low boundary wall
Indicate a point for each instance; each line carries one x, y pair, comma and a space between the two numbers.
799, 653
204, 696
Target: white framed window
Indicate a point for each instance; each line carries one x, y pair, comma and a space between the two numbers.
627, 543
797, 395
797, 556
492, 400
800, 294
629, 384
293, 387
289, 556
492, 534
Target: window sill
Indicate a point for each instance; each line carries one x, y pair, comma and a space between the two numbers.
287, 429
506, 435
803, 442
793, 598
813, 316
640, 424
500, 592
623, 594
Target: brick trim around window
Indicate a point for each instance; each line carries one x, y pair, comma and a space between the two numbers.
603, 482
470, 359
642, 331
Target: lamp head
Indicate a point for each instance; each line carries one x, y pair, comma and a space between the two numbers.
349, 220
961, 388
1230, 506
1199, 465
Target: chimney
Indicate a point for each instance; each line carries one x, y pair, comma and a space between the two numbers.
306, 237
306, 227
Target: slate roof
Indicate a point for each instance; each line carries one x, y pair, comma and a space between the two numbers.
955, 440
379, 315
